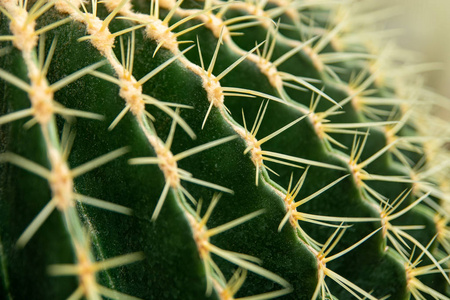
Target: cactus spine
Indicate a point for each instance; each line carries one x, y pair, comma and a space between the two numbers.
287, 154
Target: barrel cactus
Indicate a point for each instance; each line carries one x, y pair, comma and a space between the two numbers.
217, 150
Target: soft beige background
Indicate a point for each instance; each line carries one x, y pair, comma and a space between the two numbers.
426, 29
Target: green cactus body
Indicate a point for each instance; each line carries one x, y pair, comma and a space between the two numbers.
287, 155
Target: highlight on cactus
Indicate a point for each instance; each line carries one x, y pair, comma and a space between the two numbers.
199, 149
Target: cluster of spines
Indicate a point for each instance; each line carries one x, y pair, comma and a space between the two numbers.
161, 32
42, 111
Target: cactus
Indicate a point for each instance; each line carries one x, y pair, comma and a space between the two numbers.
217, 150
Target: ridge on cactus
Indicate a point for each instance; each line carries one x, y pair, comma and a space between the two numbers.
219, 150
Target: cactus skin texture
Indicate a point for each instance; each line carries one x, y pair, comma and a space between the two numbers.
217, 150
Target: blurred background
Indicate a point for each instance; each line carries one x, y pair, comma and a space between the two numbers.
425, 28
